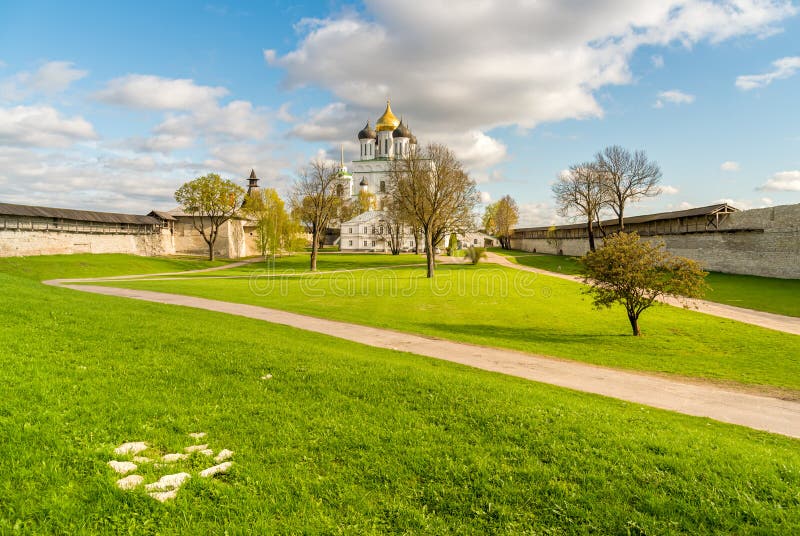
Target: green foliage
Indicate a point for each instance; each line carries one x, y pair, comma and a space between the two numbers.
276, 230
475, 254
500, 218
344, 438
211, 201
452, 244
634, 273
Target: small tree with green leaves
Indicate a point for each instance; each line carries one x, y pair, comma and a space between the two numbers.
276, 230
475, 254
452, 245
211, 201
635, 273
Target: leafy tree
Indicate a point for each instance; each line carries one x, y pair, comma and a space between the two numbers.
475, 254
581, 192
366, 201
394, 225
276, 230
452, 245
435, 191
634, 273
314, 201
211, 201
627, 177
500, 218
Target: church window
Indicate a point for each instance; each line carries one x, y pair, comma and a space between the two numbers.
339, 190
383, 187
365, 243
349, 230
365, 230
386, 146
373, 229
380, 229
475, 241
373, 243
349, 242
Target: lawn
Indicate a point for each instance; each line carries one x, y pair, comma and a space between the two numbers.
496, 306
343, 438
770, 294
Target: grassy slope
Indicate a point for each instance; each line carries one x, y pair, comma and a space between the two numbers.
88, 265
344, 438
470, 304
770, 294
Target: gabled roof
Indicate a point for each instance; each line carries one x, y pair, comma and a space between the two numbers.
366, 217
161, 214
7, 209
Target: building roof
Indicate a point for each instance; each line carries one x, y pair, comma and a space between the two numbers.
402, 131
388, 121
366, 217
647, 218
7, 209
367, 133
161, 215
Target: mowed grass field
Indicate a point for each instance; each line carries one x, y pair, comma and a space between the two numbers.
496, 306
343, 438
770, 294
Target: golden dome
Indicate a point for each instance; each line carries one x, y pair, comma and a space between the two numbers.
387, 121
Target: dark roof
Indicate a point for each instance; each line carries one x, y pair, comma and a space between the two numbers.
162, 215
7, 209
253, 174
647, 218
363, 182
367, 133
402, 131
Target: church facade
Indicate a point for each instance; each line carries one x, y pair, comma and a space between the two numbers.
369, 175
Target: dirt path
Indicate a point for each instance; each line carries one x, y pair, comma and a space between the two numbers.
759, 412
787, 324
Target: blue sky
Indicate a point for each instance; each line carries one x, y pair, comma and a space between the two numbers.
111, 106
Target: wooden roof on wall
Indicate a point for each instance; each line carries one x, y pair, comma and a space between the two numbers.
647, 218
8, 209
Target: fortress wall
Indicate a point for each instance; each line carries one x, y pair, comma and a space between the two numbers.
16, 243
764, 242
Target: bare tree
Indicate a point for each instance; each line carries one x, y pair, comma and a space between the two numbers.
393, 225
211, 201
436, 193
314, 201
628, 177
581, 192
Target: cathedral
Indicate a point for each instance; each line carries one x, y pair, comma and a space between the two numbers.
369, 174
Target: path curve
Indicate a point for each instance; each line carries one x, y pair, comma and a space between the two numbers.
787, 324
754, 411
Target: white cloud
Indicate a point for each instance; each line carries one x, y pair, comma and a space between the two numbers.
784, 181
669, 190
657, 60
486, 198
42, 126
674, 96
729, 165
156, 93
548, 60
284, 113
783, 68
51, 78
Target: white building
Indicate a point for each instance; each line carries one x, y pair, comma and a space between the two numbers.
370, 174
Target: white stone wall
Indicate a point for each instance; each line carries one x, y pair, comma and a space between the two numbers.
764, 242
16, 243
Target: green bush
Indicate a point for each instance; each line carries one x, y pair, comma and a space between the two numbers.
476, 254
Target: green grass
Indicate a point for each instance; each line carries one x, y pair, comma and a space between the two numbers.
44, 267
770, 294
503, 307
344, 438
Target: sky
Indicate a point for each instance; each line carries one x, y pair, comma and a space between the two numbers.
113, 105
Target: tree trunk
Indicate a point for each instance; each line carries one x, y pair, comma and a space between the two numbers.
591, 236
211, 251
621, 222
634, 320
314, 248
416, 242
429, 254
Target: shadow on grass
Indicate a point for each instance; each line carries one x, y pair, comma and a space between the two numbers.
518, 335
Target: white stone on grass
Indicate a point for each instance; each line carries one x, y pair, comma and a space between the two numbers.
206, 452
142, 459
164, 496
266, 377
197, 435
223, 455
211, 471
195, 448
130, 481
122, 467
168, 482
131, 448
174, 457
